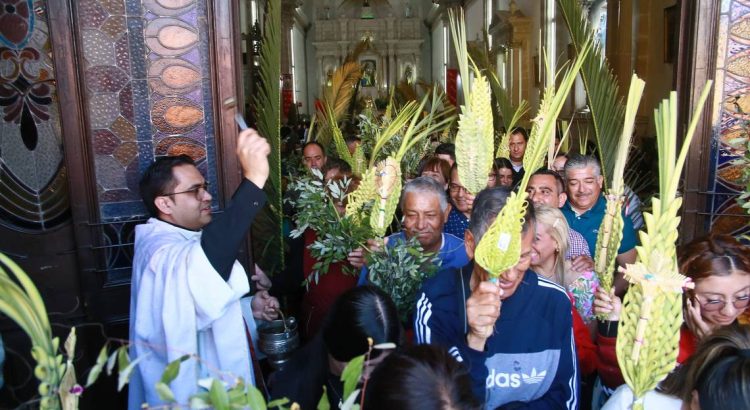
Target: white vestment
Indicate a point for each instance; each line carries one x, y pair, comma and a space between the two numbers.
180, 305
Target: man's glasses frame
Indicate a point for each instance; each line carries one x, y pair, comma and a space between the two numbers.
197, 191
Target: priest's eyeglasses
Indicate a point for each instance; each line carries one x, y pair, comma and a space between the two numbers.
198, 191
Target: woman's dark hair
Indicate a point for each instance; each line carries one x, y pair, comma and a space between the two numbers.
158, 179
360, 313
714, 255
422, 377
446, 148
434, 163
500, 163
337, 163
719, 371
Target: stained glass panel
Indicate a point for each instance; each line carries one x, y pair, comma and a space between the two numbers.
33, 179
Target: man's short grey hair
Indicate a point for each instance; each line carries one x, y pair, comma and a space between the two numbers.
578, 161
487, 205
425, 186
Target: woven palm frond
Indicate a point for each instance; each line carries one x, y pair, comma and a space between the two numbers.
359, 165
338, 139
604, 100
511, 118
649, 331
509, 114
608, 242
500, 247
475, 139
268, 223
648, 338
362, 198
458, 35
610, 231
388, 191
543, 130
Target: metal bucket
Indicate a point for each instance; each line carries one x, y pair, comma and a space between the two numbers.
277, 342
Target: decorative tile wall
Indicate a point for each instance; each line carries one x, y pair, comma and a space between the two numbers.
148, 91
33, 179
731, 116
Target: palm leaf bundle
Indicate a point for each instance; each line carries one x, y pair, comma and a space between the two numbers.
511, 116
605, 103
388, 191
610, 231
476, 136
337, 96
505, 114
475, 139
500, 247
356, 161
648, 339
21, 302
268, 223
380, 189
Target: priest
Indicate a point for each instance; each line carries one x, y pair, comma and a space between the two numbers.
187, 284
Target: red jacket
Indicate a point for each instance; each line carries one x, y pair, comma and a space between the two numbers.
609, 369
320, 296
585, 348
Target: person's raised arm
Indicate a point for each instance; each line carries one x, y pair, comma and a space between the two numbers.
222, 237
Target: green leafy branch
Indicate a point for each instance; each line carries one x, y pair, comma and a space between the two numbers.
399, 269
337, 235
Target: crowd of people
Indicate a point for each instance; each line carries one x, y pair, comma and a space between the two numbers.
543, 336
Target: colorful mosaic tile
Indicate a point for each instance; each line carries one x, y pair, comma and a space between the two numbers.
148, 91
91, 13
733, 77
105, 142
106, 79
126, 103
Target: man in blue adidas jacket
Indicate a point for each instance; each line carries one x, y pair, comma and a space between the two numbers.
515, 336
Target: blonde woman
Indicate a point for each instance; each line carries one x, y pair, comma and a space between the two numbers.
548, 260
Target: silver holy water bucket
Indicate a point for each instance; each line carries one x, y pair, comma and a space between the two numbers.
278, 342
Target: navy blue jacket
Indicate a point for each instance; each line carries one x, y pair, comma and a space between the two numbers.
530, 360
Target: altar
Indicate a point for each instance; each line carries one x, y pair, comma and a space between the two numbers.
392, 55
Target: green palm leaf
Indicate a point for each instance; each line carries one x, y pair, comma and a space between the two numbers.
23, 304
268, 224
605, 102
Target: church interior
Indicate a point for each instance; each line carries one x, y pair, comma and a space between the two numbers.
92, 91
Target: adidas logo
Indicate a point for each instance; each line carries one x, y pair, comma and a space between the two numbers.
514, 380
534, 377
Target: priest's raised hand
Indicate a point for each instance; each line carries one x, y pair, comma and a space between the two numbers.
252, 151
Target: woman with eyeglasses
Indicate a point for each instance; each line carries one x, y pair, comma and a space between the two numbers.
719, 265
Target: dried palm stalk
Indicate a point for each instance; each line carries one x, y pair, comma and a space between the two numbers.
610, 231
499, 249
648, 339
